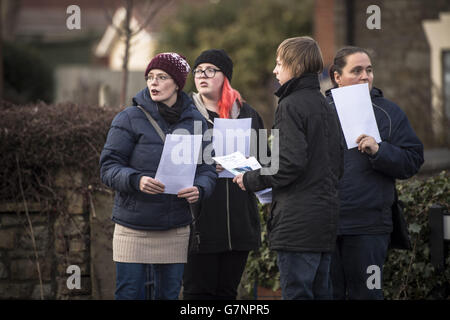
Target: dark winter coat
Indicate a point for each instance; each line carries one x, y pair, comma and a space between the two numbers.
229, 219
305, 202
367, 188
132, 150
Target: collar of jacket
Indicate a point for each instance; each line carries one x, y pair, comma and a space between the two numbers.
196, 97
374, 93
306, 80
144, 99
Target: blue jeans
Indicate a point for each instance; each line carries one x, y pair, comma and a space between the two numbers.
305, 275
138, 281
353, 263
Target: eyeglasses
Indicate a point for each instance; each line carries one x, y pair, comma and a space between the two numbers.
208, 72
159, 77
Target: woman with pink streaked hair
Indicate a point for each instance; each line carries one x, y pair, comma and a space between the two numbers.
228, 221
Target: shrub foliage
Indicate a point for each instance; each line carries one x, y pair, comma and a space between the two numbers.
410, 274
407, 274
40, 139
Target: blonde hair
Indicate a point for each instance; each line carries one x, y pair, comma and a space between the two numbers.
300, 55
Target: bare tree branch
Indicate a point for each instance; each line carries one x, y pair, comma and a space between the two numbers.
110, 18
30, 225
159, 5
1, 50
126, 33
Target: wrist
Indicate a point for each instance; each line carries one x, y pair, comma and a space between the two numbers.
135, 181
376, 153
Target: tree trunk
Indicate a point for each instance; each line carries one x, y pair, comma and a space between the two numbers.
123, 93
1, 50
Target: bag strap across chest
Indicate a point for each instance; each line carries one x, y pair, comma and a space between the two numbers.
154, 124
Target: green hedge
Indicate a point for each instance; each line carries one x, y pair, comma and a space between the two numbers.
407, 274
410, 274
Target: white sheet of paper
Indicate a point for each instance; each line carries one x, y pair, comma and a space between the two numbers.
264, 196
355, 111
231, 135
176, 169
237, 163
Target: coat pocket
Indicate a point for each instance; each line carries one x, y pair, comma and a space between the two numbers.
126, 201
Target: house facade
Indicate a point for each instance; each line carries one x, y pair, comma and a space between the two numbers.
410, 52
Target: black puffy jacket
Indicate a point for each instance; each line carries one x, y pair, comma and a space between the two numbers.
305, 204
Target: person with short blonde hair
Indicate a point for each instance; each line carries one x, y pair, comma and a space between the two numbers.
303, 221
301, 55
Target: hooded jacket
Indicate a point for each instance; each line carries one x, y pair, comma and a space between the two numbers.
305, 202
367, 188
133, 149
229, 219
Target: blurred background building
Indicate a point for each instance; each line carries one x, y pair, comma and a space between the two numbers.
86, 63
410, 54
410, 51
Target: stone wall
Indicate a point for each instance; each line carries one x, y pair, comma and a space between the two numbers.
18, 272
80, 235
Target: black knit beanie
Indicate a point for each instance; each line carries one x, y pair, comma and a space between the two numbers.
219, 58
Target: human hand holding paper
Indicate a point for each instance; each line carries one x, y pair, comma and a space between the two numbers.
236, 163
219, 168
367, 144
239, 179
150, 185
191, 194
264, 196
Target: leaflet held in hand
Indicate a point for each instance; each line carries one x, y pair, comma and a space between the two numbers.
236, 163
178, 163
231, 135
355, 111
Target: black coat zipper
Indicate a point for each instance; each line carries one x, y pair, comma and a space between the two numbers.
228, 217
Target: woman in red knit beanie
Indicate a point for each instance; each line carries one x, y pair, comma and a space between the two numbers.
151, 233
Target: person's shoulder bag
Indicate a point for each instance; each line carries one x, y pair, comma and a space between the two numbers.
400, 238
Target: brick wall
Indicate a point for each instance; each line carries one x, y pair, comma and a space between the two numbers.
324, 29
401, 54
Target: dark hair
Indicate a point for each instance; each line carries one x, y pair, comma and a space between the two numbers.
340, 60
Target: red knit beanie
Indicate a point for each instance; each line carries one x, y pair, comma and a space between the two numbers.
172, 63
